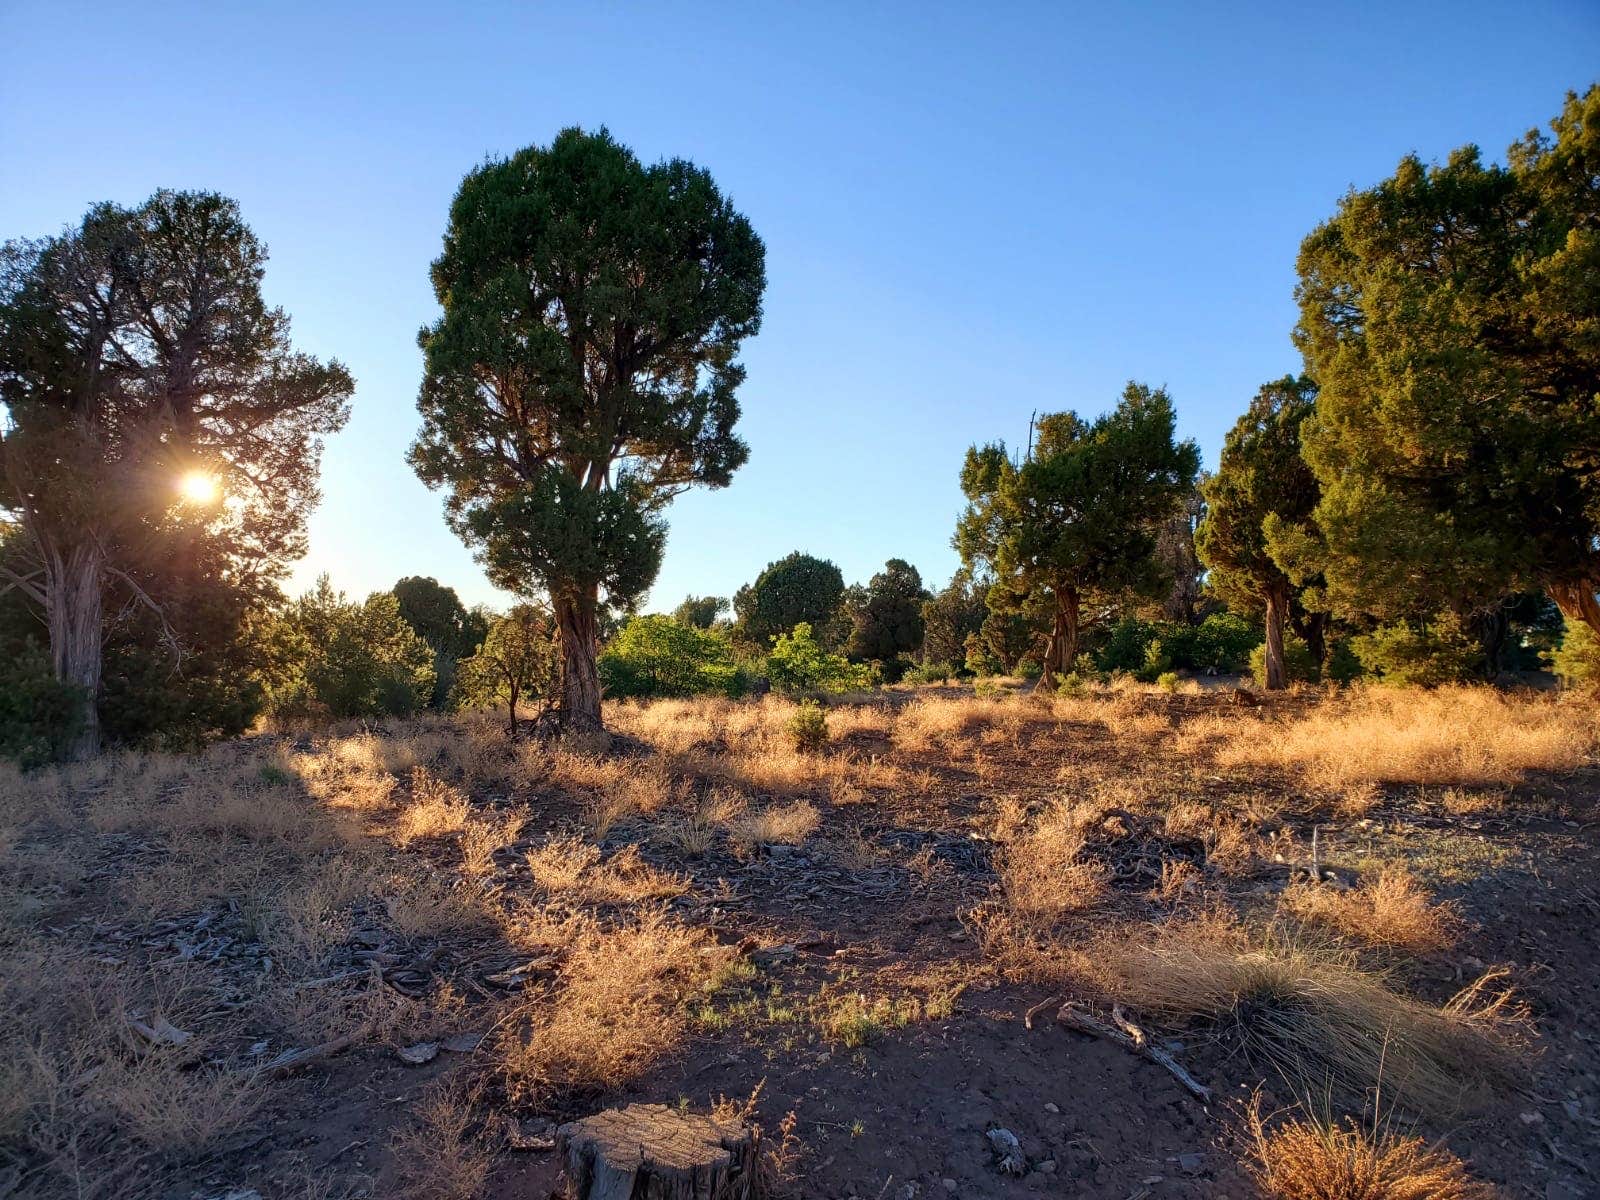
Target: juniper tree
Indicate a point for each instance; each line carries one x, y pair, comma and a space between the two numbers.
1451, 318
1261, 477
1072, 530
583, 372
149, 391
798, 588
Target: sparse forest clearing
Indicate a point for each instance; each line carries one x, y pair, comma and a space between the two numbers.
388, 959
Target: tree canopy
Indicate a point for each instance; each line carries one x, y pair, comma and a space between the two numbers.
701, 612
797, 588
1074, 526
886, 620
583, 372
1451, 318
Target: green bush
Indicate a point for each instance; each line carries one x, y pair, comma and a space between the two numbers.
327, 654
39, 717
1168, 681
808, 728
1342, 666
933, 672
1576, 661
1125, 645
1223, 642
1299, 664
1421, 655
797, 663
662, 656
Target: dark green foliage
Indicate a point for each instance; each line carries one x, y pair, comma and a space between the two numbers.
949, 616
938, 671
331, 655
662, 656
438, 617
1072, 531
1222, 643
584, 372
798, 588
39, 716
886, 618
808, 728
702, 612
1451, 316
1421, 653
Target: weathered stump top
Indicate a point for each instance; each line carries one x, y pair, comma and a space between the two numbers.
652, 1150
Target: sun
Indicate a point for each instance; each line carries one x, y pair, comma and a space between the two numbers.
198, 487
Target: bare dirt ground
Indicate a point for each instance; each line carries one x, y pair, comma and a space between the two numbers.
384, 962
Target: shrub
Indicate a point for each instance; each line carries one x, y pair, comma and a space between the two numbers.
1168, 681
348, 659
798, 663
39, 717
1223, 643
1576, 661
662, 656
808, 728
1125, 646
1424, 655
1300, 666
933, 672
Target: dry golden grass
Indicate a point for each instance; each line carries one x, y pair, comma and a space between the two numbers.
572, 870
773, 825
1316, 1018
616, 1008
1391, 909
1462, 736
1043, 872
482, 837
440, 1154
1316, 1159
436, 808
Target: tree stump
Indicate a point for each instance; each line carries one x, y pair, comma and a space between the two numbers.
652, 1152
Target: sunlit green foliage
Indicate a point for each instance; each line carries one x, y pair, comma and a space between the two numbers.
662, 656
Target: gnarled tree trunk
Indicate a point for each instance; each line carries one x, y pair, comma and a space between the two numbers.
1277, 610
1578, 601
577, 623
73, 579
1061, 650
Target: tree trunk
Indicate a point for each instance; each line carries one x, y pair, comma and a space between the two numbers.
1578, 601
655, 1151
511, 708
1061, 651
580, 666
1277, 610
72, 604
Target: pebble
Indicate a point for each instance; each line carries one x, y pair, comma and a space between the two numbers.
1047, 1167
1052, 1107
950, 1185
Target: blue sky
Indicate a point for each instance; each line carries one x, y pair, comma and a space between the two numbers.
970, 212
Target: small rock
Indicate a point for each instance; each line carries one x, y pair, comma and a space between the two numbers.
530, 1135
950, 1185
1573, 1109
259, 1047
415, 1056
1047, 1167
1532, 1118
463, 1043
1007, 1151
1190, 1162
1052, 1107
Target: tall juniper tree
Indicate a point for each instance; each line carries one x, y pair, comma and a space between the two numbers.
1071, 532
583, 373
136, 352
1261, 479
